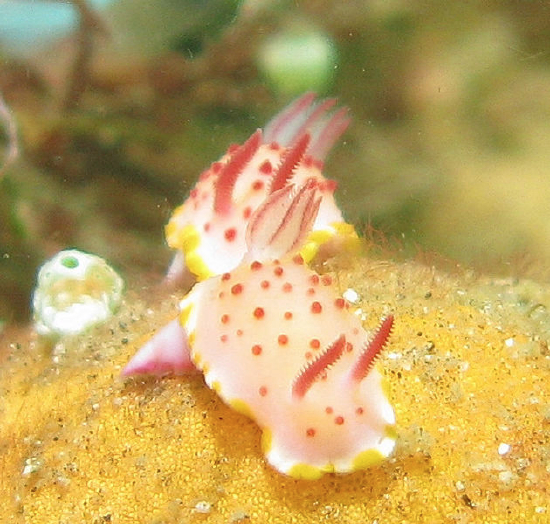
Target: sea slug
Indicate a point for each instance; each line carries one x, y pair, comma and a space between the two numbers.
277, 342
208, 229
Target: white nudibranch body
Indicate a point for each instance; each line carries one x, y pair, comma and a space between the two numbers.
278, 343
74, 291
273, 338
208, 229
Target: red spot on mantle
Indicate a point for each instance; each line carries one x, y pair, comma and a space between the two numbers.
237, 289
265, 167
331, 185
314, 343
256, 265
314, 279
316, 307
230, 234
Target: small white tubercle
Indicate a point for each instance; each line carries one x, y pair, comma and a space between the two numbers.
74, 291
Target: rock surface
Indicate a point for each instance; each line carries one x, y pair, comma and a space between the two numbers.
468, 365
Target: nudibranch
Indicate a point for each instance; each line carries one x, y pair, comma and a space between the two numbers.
208, 229
277, 342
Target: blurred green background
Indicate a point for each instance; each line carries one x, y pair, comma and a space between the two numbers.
120, 107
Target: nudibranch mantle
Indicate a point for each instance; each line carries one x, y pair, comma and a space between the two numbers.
277, 342
264, 328
208, 229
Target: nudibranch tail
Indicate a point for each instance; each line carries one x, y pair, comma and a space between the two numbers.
281, 224
314, 370
166, 352
178, 274
231, 171
366, 360
304, 115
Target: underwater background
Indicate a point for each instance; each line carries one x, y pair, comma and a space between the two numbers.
117, 117
110, 110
